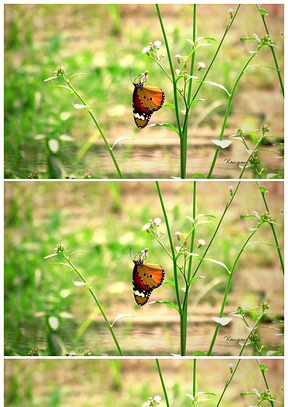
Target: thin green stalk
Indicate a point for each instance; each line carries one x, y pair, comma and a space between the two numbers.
226, 208
217, 228
189, 101
97, 125
97, 302
229, 380
228, 288
273, 231
273, 53
171, 69
171, 247
265, 381
194, 377
228, 111
184, 314
183, 151
193, 233
162, 382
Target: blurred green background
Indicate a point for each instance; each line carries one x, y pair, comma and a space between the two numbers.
44, 132
106, 219
122, 383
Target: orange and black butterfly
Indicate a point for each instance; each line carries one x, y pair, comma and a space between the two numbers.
146, 277
146, 100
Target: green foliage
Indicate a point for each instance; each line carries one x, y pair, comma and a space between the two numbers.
103, 220
106, 42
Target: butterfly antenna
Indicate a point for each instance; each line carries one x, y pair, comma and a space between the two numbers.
130, 251
130, 74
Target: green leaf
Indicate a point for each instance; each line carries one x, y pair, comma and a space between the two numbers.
119, 139
80, 283
262, 12
199, 175
205, 38
170, 304
262, 367
222, 143
51, 255
264, 66
199, 353
169, 126
173, 107
267, 244
218, 85
50, 79
247, 39
77, 74
77, 106
262, 190
247, 216
269, 176
169, 283
218, 262
120, 316
222, 321
247, 394
78, 251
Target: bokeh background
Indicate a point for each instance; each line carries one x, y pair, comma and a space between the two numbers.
122, 383
106, 219
44, 133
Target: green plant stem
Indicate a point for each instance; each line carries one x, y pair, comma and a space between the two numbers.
184, 140
97, 302
265, 381
171, 247
184, 313
273, 53
228, 111
229, 380
171, 69
228, 288
194, 377
217, 228
189, 101
97, 125
216, 53
162, 382
273, 231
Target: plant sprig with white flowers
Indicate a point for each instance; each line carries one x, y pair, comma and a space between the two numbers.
187, 250
184, 75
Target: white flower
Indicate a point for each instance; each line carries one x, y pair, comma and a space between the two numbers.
157, 44
201, 242
157, 399
146, 50
157, 221
201, 65
146, 227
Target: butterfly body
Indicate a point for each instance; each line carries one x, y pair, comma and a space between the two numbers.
146, 100
146, 277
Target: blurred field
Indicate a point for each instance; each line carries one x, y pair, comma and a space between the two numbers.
120, 383
106, 219
106, 42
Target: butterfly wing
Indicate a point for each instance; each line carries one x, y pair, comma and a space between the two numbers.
140, 114
146, 277
146, 100
151, 97
151, 275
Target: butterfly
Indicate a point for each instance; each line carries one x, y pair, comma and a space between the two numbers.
146, 277
146, 100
